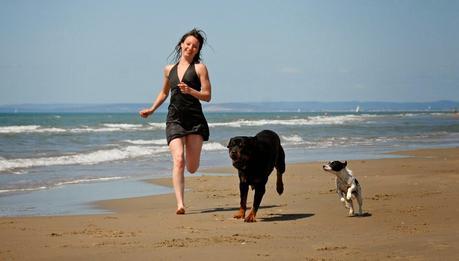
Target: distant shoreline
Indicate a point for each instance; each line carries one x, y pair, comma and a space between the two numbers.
306, 106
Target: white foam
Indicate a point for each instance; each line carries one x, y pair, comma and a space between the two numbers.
147, 142
294, 139
83, 129
156, 125
22, 189
208, 146
18, 129
108, 127
90, 180
345, 141
88, 158
70, 182
122, 126
86, 129
213, 146
316, 120
28, 129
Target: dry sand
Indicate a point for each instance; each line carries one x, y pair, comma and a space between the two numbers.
413, 206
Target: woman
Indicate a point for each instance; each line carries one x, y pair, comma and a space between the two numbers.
186, 128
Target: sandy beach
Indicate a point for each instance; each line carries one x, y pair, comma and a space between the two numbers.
412, 205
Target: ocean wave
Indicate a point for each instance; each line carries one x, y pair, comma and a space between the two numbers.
99, 156
88, 180
157, 125
112, 127
120, 127
330, 142
87, 129
213, 146
107, 127
58, 184
294, 139
147, 142
123, 125
315, 120
28, 129
22, 189
298, 141
89, 158
207, 146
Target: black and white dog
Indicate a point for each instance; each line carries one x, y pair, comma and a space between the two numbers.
347, 185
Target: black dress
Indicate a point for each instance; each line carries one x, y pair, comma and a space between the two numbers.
185, 114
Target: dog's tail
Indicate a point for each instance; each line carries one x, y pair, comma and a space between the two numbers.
280, 161
280, 167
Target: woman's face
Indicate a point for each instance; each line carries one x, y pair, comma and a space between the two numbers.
190, 47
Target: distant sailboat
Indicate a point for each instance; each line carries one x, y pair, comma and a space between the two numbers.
357, 109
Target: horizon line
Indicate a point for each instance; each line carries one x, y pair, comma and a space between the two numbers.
226, 102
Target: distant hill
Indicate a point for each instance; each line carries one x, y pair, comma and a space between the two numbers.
307, 106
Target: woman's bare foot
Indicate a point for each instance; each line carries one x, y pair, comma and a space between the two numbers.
180, 211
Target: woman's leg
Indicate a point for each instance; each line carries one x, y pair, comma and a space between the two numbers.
193, 145
176, 146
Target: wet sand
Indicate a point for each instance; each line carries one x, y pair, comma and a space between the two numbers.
411, 204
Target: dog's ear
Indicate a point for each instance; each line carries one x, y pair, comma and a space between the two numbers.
229, 143
233, 142
345, 163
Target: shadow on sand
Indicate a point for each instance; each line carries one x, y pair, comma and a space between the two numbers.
285, 217
365, 214
261, 217
212, 210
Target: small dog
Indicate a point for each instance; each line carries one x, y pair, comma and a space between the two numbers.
347, 185
255, 159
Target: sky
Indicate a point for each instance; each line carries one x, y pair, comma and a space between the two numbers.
75, 51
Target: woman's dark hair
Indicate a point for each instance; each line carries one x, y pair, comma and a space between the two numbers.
198, 34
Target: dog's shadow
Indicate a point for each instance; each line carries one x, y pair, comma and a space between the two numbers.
365, 214
285, 217
212, 210
270, 218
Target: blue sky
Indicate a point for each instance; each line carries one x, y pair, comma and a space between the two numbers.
102, 51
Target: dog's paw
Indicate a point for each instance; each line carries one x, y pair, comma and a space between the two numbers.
250, 218
240, 214
280, 187
342, 199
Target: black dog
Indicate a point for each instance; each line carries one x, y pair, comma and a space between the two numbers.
255, 159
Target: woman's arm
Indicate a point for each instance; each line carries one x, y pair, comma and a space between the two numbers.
205, 94
162, 95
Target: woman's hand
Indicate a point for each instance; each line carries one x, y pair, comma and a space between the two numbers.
184, 88
145, 113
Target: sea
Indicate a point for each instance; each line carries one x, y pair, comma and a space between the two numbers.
60, 164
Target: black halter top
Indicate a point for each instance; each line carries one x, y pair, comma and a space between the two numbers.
185, 114
179, 99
